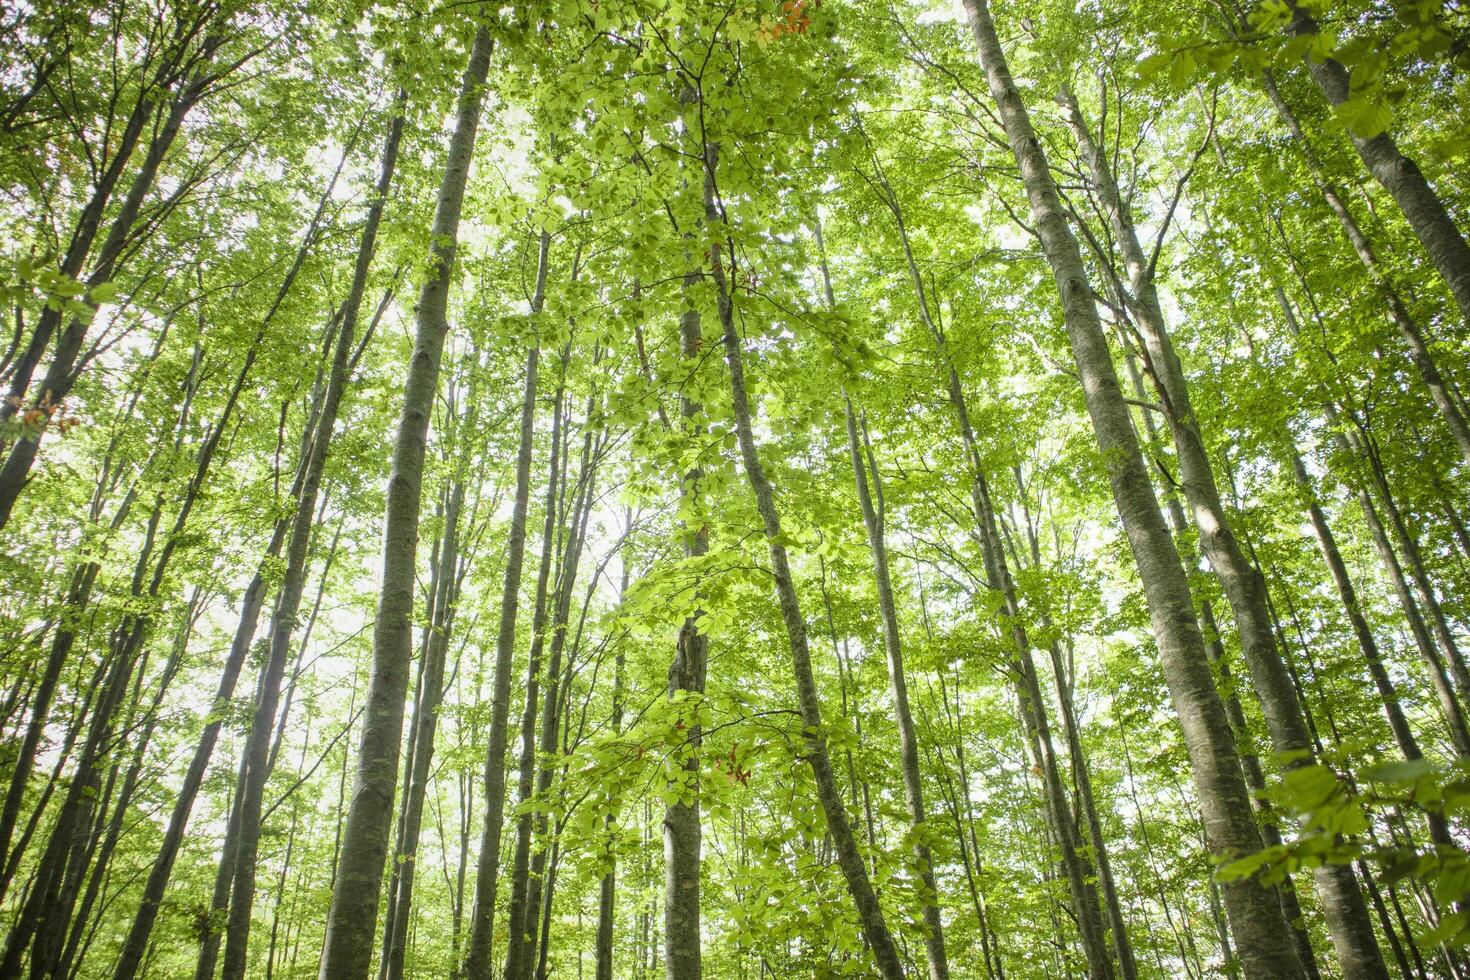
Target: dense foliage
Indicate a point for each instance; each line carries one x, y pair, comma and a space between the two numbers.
745, 489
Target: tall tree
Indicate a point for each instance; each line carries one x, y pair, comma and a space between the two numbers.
352, 923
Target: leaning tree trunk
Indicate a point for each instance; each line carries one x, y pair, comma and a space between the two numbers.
61, 373
1419, 353
78, 597
1343, 907
352, 921
478, 962
849, 859
1077, 868
908, 738
305, 493
1424, 642
425, 721
1255, 775
47, 910
89, 221
1081, 773
1260, 931
1399, 175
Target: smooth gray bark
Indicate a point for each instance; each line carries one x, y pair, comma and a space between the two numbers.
519, 947
1346, 913
305, 493
1418, 348
1255, 917
352, 921
908, 740
478, 959
849, 859
1399, 175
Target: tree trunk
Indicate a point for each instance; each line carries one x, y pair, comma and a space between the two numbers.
1260, 932
537, 881
89, 222
478, 960
687, 673
1439, 678
305, 493
1347, 915
1398, 175
352, 921
1077, 868
908, 739
518, 951
61, 373
870, 914
1403, 320
425, 719
1081, 774
607, 888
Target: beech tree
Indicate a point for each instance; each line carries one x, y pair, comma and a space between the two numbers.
737, 489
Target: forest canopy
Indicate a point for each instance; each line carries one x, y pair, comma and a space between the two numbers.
735, 488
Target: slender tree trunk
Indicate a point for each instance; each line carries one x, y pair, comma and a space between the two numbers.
1418, 349
1078, 870
1439, 678
1255, 776
352, 921
1347, 915
1260, 932
870, 914
89, 221
607, 888
1399, 175
446, 582
305, 493
146, 726
61, 373
78, 597
1413, 559
687, 674
1082, 776
908, 739
478, 961
537, 882
1348, 595
47, 910
518, 948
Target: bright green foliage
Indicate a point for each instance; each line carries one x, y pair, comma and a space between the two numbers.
872, 120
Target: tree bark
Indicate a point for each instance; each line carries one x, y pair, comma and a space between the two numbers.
61, 373
1439, 677
849, 859
478, 960
1347, 916
537, 883
908, 740
1418, 349
687, 674
352, 921
305, 493
607, 888
518, 949
1260, 932
1397, 174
